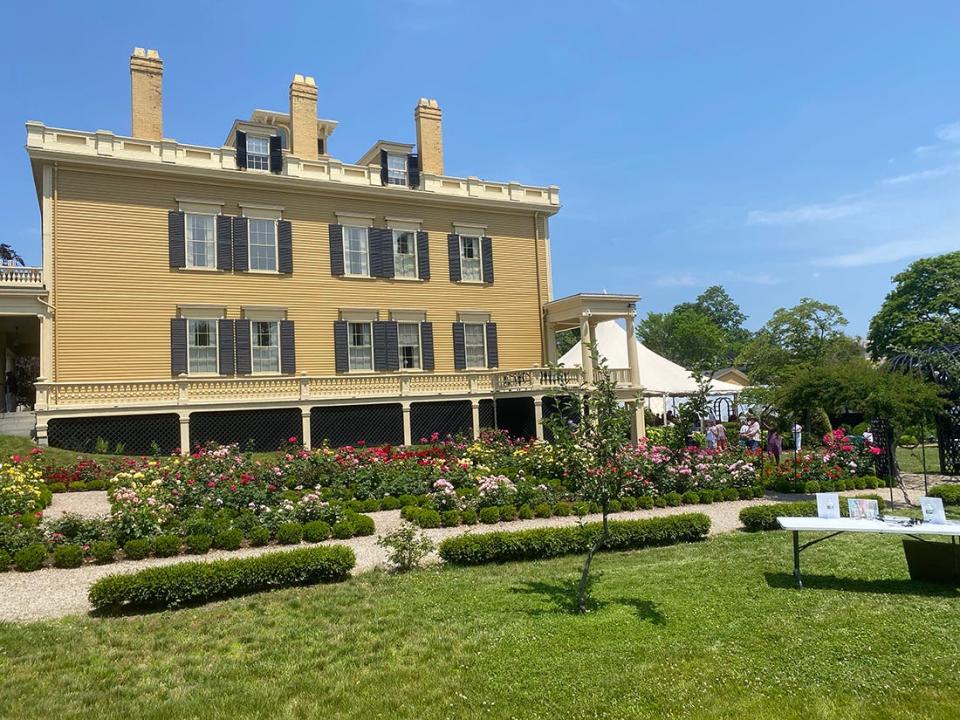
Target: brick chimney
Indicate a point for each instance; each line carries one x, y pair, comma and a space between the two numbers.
303, 117
146, 94
429, 136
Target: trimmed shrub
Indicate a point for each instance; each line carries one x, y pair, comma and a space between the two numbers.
508, 512
950, 494
614, 506
390, 503
645, 502
811, 486
660, 501
524, 512
228, 539
406, 500
871, 482
628, 504
370, 505
673, 499
30, 558
594, 507
197, 582
580, 509
428, 518
553, 542
449, 518
166, 545
543, 510
745, 493
316, 531
77, 486
562, 509
730, 494
291, 533
68, 555
343, 530
199, 544
103, 551
758, 491
4, 560
363, 525
469, 516
490, 515
259, 536
136, 549
57, 487
764, 517
690, 498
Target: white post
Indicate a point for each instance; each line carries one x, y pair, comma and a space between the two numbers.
538, 415
407, 431
586, 352
305, 427
633, 361
184, 433
638, 423
475, 412
551, 344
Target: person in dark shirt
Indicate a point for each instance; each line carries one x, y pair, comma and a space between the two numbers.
774, 444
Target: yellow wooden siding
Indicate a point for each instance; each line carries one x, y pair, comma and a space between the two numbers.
115, 291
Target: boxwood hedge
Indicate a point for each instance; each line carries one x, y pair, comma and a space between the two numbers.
950, 494
764, 517
480, 548
198, 582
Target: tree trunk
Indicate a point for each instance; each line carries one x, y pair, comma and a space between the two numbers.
585, 573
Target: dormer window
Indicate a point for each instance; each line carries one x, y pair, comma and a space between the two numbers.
396, 169
258, 152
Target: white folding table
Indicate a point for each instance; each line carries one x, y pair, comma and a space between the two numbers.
843, 525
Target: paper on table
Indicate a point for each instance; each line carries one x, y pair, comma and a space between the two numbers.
932, 509
828, 505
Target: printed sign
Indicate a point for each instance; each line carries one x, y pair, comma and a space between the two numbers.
933, 510
828, 506
861, 509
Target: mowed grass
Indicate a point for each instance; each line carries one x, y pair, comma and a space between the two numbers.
910, 460
713, 630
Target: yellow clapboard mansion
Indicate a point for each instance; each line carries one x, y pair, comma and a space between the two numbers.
263, 289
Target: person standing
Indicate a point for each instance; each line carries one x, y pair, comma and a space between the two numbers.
10, 397
744, 428
720, 433
797, 436
711, 436
774, 444
753, 433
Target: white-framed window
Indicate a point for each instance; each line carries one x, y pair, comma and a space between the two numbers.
201, 240
396, 169
265, 346
356, 251
411, 357
475, 345
201, 346
262, 240
360, 345
404, 254
471, 268
258, 152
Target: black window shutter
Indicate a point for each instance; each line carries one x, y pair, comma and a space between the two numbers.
413, 170
242, 335
459, 347
321, 147
241, 143
486, 249
426, 344
341, 355
240, 244
276, 154
225, 346
177, 236
423, 255
393, 346
453, 251
336, 250
380, 345
178, 346
384, 174
224, 242
284, 246
381, 252
493, 354
288, 348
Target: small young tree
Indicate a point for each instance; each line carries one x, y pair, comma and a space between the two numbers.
407, 547
589, 429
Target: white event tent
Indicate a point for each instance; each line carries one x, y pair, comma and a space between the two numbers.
660, 378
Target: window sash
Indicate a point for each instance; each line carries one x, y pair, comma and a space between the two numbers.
411, 357
404, 254
265, 346
258, 152
475, 345
396, 169
360, 345
202, 344
356, 251
262, 244
201, 241
470, 263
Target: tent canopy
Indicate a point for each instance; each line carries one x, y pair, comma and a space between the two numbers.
657, 374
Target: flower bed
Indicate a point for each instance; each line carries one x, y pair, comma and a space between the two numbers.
843, 463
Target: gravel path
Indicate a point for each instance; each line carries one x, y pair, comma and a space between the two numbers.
53, 593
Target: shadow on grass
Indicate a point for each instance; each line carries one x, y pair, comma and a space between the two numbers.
561, 596
883, 586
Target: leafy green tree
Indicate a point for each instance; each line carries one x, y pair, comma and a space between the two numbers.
808, 333
8, 254
922, 309
687, 336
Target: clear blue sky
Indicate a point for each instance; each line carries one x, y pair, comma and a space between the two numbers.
809, 149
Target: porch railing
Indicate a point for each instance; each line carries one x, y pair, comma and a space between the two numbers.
20, 276
207, 391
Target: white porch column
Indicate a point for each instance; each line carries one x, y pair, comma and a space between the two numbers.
551, 339
633, 362
407, 431
46, 345
475, 412
538, 415
638, 423
305, 427
586, 350
184, 433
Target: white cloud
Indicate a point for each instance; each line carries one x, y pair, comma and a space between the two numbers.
817, 212
920, 176
892, 252
685, 280
949, 132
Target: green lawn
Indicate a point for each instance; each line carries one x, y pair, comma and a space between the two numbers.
714, 630
911, 459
